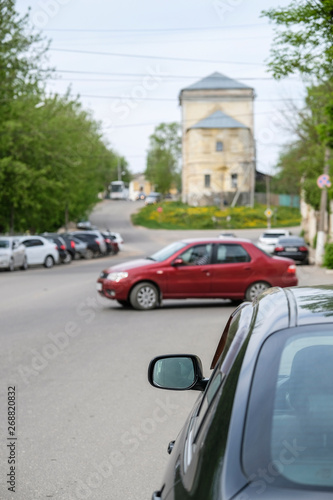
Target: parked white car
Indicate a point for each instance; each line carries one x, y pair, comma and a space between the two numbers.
40, 251
12, 254
269, 238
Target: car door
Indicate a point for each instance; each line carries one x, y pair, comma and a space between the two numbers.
192, 277
207, 433
232, 270
35, 250
18, 251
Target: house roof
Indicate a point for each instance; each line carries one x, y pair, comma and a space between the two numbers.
216, 81
218, 119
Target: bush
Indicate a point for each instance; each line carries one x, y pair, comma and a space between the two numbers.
328, 256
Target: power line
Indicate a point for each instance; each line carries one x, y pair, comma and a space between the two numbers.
141, 56
191, 77
169, 99
154, 30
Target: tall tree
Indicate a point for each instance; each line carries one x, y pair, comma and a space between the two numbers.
22, 54
163, 156
53, 159
304, 43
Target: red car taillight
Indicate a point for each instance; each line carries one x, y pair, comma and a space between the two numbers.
97, 242
62, 247
291, 269
72, 244
107, 241
278, 249
302, 249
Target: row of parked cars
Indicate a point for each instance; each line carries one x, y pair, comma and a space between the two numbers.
48, 249
282, 243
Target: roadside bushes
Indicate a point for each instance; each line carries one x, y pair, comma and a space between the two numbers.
328, 256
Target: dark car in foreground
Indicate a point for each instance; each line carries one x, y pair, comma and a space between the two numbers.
292, 247
193, 268
262, 426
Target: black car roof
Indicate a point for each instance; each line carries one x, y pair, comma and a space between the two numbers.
280, 308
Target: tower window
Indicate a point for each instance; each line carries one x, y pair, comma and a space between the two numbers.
219, 146
207, 180
234, 180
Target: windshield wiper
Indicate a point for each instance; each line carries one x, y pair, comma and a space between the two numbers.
150, 258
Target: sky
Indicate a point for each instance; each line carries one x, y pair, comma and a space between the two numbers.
128, 61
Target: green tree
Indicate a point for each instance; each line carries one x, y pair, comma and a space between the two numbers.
302, 161
163, 157
56, 165
53, 159
304, 43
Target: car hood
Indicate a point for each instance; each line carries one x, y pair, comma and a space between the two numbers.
132, 264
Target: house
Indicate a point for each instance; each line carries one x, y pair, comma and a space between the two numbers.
139, 184
218, 149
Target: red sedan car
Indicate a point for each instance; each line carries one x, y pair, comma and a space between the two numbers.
196, 268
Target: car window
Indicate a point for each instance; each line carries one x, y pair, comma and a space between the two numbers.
32, 243
4, 244
227, 254
272, 235
197, 255
292, 409
291, 241
168, 251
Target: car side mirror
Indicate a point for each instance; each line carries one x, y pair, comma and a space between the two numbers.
179, 372
178, 262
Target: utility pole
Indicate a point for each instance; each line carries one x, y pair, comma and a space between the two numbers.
321, 236
119, 169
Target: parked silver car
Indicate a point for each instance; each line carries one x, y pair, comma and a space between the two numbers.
12, 254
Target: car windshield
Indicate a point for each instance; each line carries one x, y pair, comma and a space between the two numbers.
168, 251
289, 426
4, 244
291, 241
272, 235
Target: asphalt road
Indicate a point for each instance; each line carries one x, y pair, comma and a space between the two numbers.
88, 424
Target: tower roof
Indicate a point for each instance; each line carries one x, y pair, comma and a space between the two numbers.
216, 81
218, 119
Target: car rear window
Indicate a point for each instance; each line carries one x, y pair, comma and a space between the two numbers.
289, 425
272, 235
291, 241
4, 244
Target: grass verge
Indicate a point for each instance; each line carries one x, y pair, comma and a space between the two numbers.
177, 215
